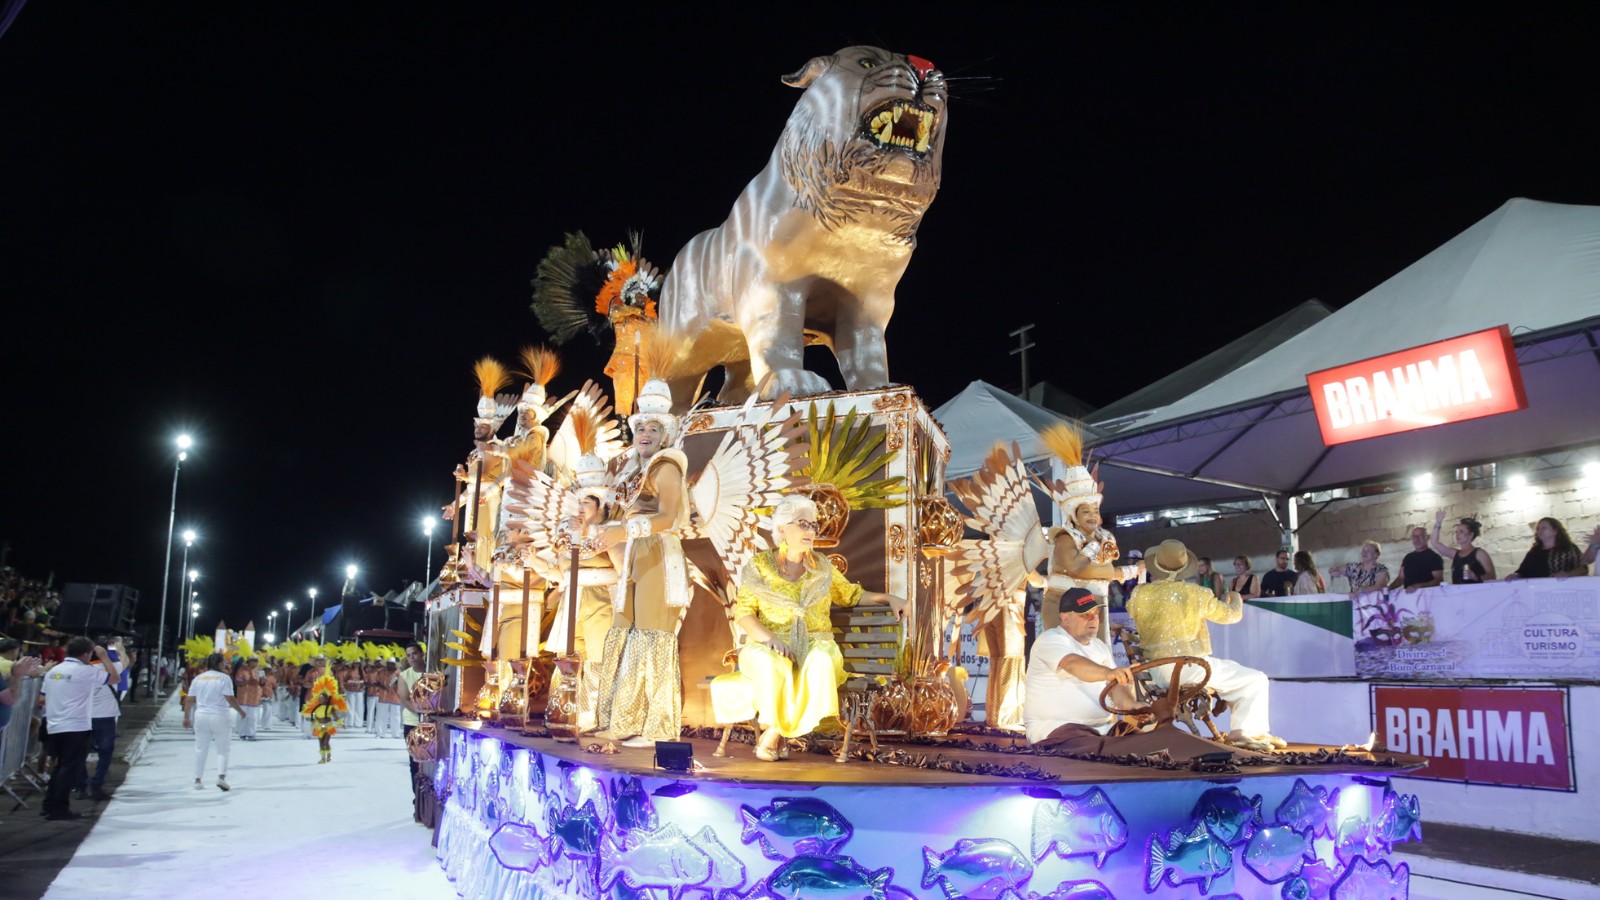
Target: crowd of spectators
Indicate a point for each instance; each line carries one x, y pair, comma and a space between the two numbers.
26, 606
1430, 562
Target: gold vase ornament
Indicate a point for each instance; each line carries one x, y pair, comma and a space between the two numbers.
940, 527
422, 743
833, 513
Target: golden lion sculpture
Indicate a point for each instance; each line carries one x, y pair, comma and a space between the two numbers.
816, 244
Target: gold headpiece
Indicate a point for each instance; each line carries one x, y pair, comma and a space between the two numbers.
1079, 486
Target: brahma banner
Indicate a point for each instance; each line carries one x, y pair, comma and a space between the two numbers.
1510, 736
1453, 380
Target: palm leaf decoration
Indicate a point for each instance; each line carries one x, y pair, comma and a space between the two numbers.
843, 451
467, 646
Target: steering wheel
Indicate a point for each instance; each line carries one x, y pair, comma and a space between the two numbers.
1165, 708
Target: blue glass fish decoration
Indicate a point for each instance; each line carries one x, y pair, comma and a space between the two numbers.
633, 807
1308, 811
1278, 852
1195, 856
727, 871
574, 832
664, 858
979, 868
1086, 823
823, 877
794, 826
519, 846
1229, 816
1363, 880
1401, 819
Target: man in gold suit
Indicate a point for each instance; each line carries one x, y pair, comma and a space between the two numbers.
1171, 615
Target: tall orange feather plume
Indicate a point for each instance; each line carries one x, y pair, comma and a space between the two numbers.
1064, 441
540, 364
491, 375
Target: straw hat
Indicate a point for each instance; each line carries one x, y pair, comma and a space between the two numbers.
1171, 561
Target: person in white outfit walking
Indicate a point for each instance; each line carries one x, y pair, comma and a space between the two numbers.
206, 709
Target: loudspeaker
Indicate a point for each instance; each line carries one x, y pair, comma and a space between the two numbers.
674, 756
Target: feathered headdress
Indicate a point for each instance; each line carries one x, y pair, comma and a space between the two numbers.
578, 288
491, 375
539, 366
1080, 486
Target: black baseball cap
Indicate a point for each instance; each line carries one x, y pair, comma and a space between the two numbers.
1079, 600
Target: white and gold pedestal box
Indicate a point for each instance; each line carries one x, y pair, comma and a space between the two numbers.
882, 549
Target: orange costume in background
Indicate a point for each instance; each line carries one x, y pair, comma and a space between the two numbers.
324, 706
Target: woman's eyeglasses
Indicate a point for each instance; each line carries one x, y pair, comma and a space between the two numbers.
805, 526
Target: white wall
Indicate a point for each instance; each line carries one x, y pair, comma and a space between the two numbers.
1339, 712
1334, 536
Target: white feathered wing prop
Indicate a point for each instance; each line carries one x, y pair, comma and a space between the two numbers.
993, 569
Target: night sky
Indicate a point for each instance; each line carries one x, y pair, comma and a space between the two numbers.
290, 228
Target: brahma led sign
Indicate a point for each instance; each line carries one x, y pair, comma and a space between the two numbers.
1453, 380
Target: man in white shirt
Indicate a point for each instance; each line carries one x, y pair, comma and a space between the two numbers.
69, 694
1067, 671
103, 712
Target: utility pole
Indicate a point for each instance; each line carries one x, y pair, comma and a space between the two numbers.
1023, 346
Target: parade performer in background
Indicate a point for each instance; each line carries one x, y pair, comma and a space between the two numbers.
1171, 614
324, 707
1082, 554
206, 706
641, 699
783, 602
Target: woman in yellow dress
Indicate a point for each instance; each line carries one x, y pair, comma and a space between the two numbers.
783, 602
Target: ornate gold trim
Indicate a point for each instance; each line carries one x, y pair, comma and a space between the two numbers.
700, 422
897, 543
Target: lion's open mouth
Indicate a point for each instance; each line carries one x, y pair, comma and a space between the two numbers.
901, 124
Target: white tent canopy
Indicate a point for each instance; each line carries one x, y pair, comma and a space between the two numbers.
982, 415
1532, 265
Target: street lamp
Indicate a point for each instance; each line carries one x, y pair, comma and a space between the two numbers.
288, 618
427, 531
193, 574
194, 610
184, 443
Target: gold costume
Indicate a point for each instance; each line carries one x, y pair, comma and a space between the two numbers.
1171, 617
595, 580
641, 688
1002, 639
1067, 542
789, 698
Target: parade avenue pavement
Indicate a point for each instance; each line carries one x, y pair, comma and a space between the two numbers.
292, 828
288, 828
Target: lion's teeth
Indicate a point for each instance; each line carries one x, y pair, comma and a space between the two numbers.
898, 112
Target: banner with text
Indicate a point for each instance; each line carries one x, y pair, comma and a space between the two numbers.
1510, 736
1541, 628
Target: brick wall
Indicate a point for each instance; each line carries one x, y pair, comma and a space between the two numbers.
1334, 535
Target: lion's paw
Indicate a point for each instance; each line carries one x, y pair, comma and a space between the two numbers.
795, 382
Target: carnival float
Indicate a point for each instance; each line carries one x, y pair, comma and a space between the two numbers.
595, 733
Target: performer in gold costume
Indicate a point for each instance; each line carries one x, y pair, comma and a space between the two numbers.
782, 605
1171, 616
595, 580
1082, 554
641, 698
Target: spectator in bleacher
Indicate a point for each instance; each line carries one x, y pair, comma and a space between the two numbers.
1369, 574
1244, 581
1553, 554
1309, 580
1209, 579
1280, 581
1421, 567
1469, 564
